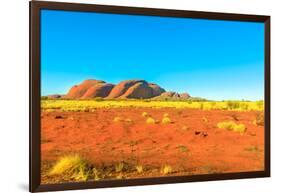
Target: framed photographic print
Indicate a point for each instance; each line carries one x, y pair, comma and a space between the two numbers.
123, 96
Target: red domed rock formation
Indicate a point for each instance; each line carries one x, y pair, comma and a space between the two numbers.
98, 90
121, 88
140, 90
129, 89
78, 91
156, 90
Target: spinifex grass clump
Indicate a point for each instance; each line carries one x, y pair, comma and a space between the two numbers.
145, 114
96, 174
259, 119
252, 149
166, 169
233, 105
119, 167
139, 168
128, 120
205, 120
150, 120
232, 126
71, 167
118, 119
166, 119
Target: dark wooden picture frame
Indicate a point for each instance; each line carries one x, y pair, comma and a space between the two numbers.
35, 82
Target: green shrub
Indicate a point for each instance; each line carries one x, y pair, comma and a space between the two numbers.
260, 104
233, 105
244, 106
98, 99
44, 98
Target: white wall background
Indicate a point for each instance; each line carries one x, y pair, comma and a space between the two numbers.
14, 37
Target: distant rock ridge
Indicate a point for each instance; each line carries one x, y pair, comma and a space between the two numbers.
172, 96
128, 89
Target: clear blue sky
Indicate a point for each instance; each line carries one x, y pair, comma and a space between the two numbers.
206, 58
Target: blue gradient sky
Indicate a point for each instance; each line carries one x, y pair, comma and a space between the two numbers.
206, 58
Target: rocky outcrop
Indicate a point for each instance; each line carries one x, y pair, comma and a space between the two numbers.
98, 90
129, 89
172, 96
121, 88
78, 91
55, 96
184, 96
139, 89
156, 90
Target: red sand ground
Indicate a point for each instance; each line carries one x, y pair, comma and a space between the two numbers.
192, 144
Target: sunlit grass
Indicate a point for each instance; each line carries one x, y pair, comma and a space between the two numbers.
205, 120
71, 167
129, 120
232, 126
166, 120
96, 174
118, 119
166, 169
259, 120
150, 120
119, 167
144, 114
91, 105
139, 168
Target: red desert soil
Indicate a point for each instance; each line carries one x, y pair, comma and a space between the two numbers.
192, 144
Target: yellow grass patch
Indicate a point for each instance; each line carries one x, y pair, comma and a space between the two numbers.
205, 120
83, 105
166, 169
118, 119
144, 114
166, 120
72, 167
150, 120
128, 120
139, 168
259, 120
232, 126
119, 167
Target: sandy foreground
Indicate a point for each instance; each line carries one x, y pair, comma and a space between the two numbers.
192, 144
